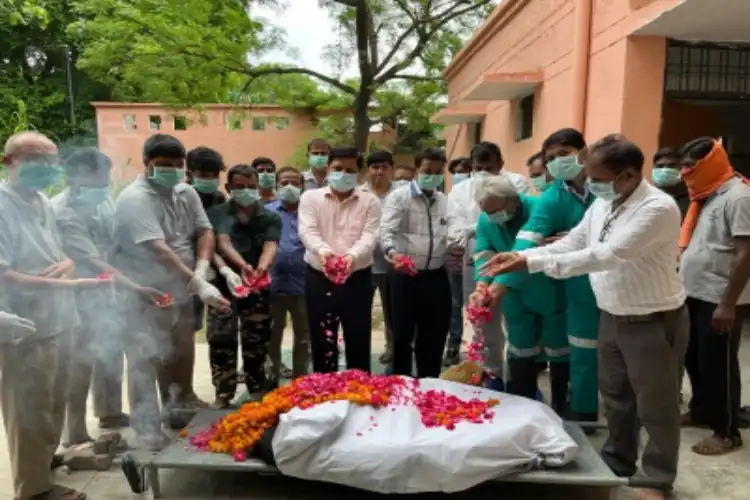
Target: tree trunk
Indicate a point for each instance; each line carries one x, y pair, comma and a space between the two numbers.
362, 121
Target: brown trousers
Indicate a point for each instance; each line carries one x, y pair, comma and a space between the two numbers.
640, 360
160, 349
33, 390
295, 306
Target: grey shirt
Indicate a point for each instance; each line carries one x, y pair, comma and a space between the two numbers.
379, 264
29, 243
706, 264
87, 232
144, 214
311, 182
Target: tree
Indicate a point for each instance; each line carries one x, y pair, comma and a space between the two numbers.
185, 52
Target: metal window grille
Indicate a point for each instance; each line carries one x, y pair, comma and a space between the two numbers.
707, 70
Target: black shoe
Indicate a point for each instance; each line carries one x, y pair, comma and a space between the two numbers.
523, 375
559, 378
452, 357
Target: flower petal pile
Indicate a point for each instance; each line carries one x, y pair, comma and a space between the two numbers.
336, 269
407, 264
255, 282
165, 300
238, 432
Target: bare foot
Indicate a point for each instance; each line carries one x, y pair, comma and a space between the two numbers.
649, 494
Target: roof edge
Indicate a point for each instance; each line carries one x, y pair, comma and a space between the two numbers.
502, 14
116, 104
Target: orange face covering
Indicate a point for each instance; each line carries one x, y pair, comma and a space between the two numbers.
702, 180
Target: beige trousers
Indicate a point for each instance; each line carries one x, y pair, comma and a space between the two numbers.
33, 391
295, 306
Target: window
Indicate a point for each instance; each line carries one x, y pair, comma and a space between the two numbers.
700, 70
475, 131
154, 122
525, 118
234, 121
180, 123
130, 122
282, 123
259, 123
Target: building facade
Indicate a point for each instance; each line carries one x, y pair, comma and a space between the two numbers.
661, 72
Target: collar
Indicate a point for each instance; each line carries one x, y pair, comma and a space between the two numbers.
233, 208
307, 175
16, 198
636, 196
415, 191
329, 194
151, 188
567, 187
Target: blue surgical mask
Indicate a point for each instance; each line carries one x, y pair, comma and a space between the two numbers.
459, 178
429, 182
289, 193
92, 196
500, 217
565, 168
603, 190
540, 183
167, 177
666, 176
266, 180
38, 176
206, 186
342, 181
317, 161
245, 197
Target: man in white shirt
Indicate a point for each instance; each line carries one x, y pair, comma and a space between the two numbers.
627, 242
415, 224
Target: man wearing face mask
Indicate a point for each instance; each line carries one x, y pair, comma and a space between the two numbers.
379, 173
532, 306
39, 284
317, 158
247, 237
666, 176
540, 177
627, 244
266, 169
559, 209
164, 241
340, 221
288, 280
415, 224
85, 215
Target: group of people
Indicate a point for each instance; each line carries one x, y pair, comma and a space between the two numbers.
587, 266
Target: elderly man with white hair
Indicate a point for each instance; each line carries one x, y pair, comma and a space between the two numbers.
37, 281
533, 305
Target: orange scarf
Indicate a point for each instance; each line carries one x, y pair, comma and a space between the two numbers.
702, 180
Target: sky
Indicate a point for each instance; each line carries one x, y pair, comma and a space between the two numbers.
308, 30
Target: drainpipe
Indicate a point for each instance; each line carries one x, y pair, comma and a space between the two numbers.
581, 53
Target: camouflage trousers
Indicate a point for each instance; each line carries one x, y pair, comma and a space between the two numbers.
248, 325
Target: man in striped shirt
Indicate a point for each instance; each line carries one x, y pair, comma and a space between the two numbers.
627, 243
415, 224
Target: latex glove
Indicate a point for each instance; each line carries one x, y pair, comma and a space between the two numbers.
204, 270
209, 294
233, 280
14, 328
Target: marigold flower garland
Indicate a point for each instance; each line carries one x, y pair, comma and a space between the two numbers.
238, 432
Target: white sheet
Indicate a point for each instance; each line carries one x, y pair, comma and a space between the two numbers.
390, 451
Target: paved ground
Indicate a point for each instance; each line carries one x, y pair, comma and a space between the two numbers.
701, 478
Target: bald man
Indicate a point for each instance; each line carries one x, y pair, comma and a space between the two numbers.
37, 283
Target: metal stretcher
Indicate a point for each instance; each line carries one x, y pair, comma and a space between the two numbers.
587, 470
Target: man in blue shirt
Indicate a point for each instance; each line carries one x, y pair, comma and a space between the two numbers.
288, 277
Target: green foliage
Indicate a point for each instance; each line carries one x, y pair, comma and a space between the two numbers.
188, 52
36, 56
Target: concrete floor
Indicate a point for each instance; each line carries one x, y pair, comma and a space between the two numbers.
700, 478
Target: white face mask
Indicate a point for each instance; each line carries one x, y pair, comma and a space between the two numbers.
399, 183
289, 193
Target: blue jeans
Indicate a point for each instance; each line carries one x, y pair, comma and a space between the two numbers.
457, 304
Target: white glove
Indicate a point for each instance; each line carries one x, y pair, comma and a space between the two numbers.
204, 270
209, 294
15, 329
233, 280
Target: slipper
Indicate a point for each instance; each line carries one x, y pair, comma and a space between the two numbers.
715, 446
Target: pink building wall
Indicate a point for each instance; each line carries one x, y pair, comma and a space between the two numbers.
625, 78
283, 132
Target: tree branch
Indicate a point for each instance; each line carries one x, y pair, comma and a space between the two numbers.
348, 3
415, 78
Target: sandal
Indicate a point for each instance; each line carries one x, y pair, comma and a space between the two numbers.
687, 420
715, 446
